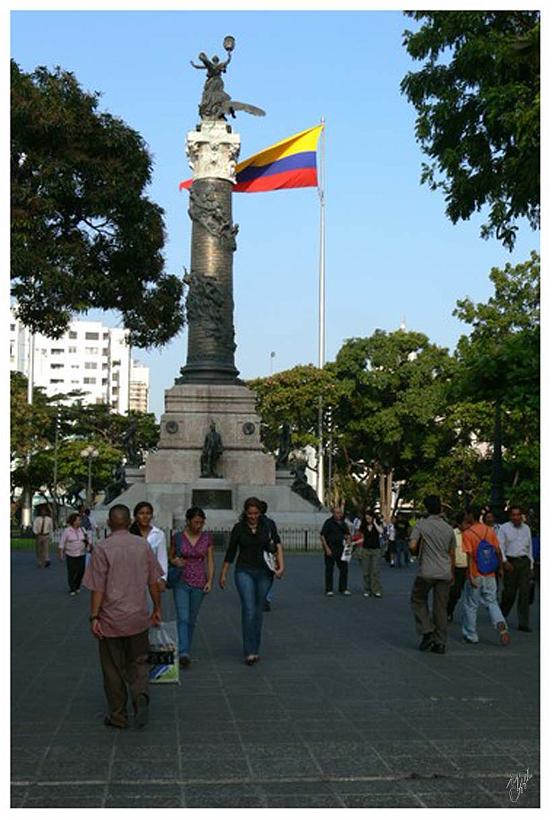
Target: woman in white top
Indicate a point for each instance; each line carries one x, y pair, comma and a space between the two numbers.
143, 514
73, 545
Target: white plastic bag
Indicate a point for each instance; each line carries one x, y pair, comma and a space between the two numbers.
163, 653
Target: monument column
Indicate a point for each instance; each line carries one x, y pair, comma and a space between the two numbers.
212, 150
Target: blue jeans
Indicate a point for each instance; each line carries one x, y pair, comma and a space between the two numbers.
252, 586
485, 593
187, 601
401, 552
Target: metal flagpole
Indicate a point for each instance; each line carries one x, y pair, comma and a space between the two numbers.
27, 507
321, 305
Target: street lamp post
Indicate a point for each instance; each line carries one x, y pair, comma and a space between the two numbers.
90, 453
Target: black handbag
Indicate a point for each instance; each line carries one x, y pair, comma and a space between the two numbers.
174, 575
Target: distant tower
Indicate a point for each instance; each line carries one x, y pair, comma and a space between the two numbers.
402, 325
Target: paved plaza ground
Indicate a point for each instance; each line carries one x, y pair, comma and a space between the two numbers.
342, 711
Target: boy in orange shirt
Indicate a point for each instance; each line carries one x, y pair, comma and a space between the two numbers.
481, 546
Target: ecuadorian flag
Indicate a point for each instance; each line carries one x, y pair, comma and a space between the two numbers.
290, 163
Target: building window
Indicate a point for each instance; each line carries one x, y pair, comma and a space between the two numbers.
88, 380
116, 363
71, 349
56, 381
105, 366
57, 351
72, 334
104, 381
57, 366
12, 327
74, 367
90, 365
105, 351
75, 381
92, 350
92, 336
115, 390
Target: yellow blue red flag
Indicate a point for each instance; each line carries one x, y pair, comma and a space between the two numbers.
290, 163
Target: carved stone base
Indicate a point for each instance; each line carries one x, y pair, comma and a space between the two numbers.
189, 410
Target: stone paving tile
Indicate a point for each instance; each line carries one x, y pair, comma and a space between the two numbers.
309, 723
304, 801
17, 795
379, 801
144, 795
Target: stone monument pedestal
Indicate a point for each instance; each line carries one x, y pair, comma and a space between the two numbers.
189, 410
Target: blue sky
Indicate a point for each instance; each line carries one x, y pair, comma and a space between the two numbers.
391, 252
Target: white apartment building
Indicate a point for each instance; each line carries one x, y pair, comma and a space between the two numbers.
89, 357
139, 387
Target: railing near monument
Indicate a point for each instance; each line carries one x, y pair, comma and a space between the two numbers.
294, 539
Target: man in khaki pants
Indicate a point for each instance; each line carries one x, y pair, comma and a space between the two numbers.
42, 528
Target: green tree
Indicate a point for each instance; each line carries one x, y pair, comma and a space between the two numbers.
500, 364
293, 396
84, 235
477, 99
389, 420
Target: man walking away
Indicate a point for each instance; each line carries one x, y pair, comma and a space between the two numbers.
43, 527
480, 544
334, 532
517, 553
460, 569
434, 541
121, 567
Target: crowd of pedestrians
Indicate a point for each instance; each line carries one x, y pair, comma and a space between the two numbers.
459, 568
462, 565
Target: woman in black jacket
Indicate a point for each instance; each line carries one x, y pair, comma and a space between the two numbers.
251, 539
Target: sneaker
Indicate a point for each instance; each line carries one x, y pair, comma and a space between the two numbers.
525, 629
427, 641
266, 606
46, 564
329, 594
438, 648
78, 591
503, 635
142, 711
184, 661
72, 593
378, 595
345, 592
365, 594
469, 640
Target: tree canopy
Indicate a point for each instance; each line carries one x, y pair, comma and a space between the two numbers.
84, 233
477, 99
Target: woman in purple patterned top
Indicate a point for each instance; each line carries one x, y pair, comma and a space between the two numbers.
192, 551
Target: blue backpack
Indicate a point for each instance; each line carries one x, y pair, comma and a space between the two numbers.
486, 558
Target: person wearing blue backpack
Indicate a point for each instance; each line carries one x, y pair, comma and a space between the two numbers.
481, 546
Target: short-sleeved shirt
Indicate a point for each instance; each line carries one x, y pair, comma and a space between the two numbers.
122, 566
73, 542
193, 572
437, 541
334, 532
470, 542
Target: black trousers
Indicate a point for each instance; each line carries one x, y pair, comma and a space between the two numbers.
456, 589
517, 582
435, 623
75, 571
331, 561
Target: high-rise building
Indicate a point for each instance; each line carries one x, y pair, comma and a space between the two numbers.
139, 387
89, 357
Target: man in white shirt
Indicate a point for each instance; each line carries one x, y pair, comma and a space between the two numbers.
43, 527
517, 553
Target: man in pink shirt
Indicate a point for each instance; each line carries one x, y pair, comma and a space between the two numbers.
121, 567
